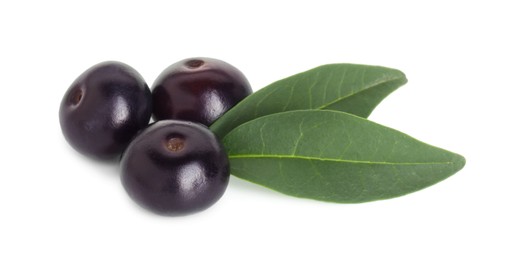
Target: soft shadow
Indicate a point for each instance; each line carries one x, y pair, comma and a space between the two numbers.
109, 167
246, 186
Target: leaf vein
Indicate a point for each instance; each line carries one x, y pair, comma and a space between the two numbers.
261, 156
354, 93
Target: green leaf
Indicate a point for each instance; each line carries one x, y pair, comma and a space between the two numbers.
351, 88
334, 156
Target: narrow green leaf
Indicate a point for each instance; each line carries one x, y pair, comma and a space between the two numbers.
351, 88
334, 156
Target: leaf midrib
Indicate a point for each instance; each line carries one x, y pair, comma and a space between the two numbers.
377, 84
275, 156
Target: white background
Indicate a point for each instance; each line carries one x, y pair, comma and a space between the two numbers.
463, 62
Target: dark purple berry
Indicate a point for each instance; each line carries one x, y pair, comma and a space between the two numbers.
175, 168
104, 108
198, 90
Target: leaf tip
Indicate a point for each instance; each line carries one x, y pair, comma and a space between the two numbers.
405, 79
401, 76
459, 162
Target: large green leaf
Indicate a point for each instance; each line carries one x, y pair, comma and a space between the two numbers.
356, 89
334, 156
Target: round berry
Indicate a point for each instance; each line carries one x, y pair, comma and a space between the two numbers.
198, 90
104, 108
175, 168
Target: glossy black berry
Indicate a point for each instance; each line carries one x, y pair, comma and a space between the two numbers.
104, 108
198, 90
175, 168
